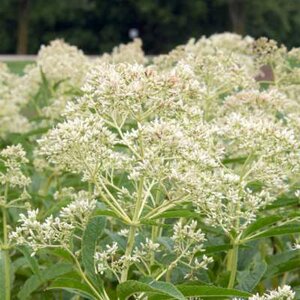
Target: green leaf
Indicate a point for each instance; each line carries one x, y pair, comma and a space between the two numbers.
297, 291
267, 221
32, 262
251, 276
4, 260
210, 291
45, 82
34, 282
155, 223
55, 208
280, 230
218, 248
92, 233
116, 238
72, 285
131, 287
234, 160
105, 212
180, 213
60, 252
283, 201
204, 291
58, 83
282, 262
19, 263
38, 131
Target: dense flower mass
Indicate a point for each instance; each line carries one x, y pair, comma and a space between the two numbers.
172, 177
13, 157
283, 293
54, 231
10, 114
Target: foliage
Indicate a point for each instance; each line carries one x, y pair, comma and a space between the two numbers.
96, 26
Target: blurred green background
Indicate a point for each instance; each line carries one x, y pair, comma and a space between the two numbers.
97, 26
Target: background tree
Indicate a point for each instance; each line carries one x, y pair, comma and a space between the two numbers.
23, 19
237, 12
97, 26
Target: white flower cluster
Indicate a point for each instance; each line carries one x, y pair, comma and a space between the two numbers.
187, 245
129, 53
282, 293
269, 102
267, 51
13, 158
85, 145
60, 61
188, 242
181, 129
55, 232
227, 42
11, 118
105, 259
110, 259
131, 91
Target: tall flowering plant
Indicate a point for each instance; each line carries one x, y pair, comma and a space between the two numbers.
173, 178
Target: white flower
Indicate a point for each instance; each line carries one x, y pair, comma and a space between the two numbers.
61, 61
129, 53
282, 293
54, 231
13, 158
123, 232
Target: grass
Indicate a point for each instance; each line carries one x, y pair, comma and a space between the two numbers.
18, 66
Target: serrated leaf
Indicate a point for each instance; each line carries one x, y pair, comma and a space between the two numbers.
204, 291
155, 223
210, 291
4, 260
62, 253
283, 201
218, 248
116, 238
282, 262
32, 262
267, 221
131, 287
105, 212
72, 285
92, 233
261, 223
18, 263
280, 230
35, 281
251, 276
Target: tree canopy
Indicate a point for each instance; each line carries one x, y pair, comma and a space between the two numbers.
97, 25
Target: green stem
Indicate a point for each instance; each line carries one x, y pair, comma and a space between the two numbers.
136, 218
172, 264
168, 275
84, 277
47, 185
132, 230
154, 234
129, 248
6, 247
232, 261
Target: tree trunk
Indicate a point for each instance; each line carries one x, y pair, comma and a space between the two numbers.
22, 44
237, 12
